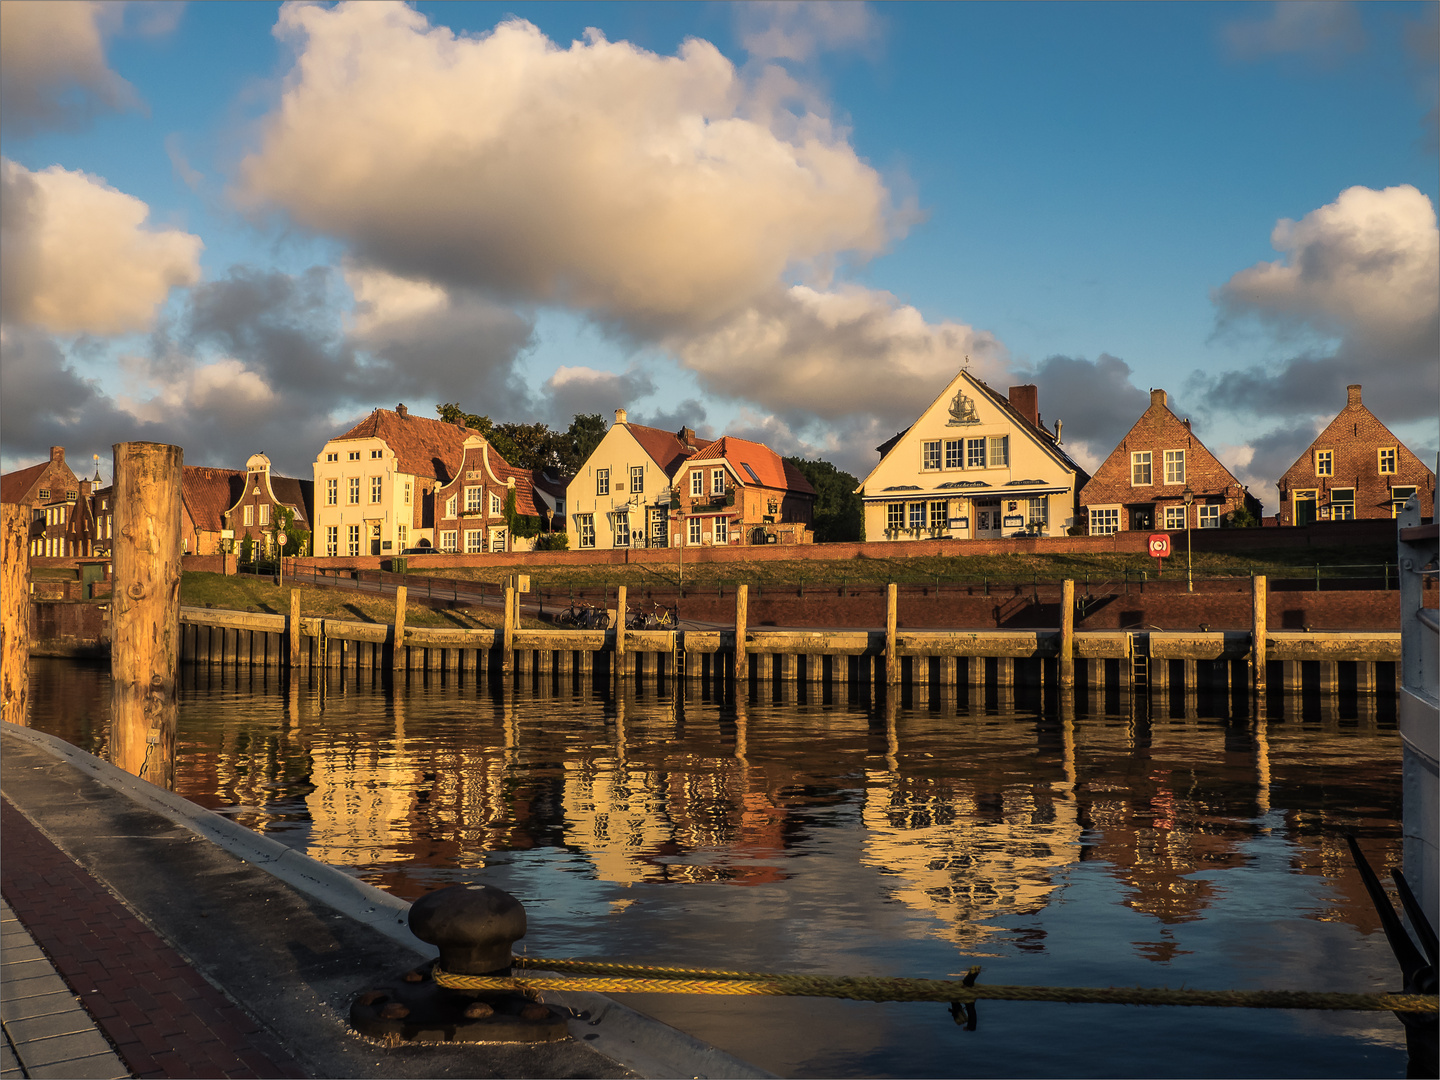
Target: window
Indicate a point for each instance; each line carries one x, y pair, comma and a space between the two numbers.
264, 513
999, 451
722, 531
585, 526
332, 457
407, 494
497, 539
697, 483
954, 454
1104, 521
602, 481
917, 516
44, 493
694, 529
939, 514
1342, 504
354, 491
1398, 497
1210, 516
451, 505
1324, 463
717, 481
1174, 466
249, 515
622, 530
1039, 510
332, 492
376, 486
1140, 474
332, 540
401, 533
975, 453
894, 517
1174, 516
1387, 461
474, 540
495, 509
354, 455
472, 500
376, 454
930, 454
447, 540
352, 537
637, 479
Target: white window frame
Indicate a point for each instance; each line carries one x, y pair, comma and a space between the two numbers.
354, 455
894, 517
693, 530
1142, 471
248, 515
999, 452
722, 531
474, 541
585, 529
474, 497
264, 513
449, 540
407, 494
401, 533
499, 539
602, 482
1104, 520
332, 457
332, 492
954, 453
377, 489
940, 514
1174, 466
332, 540
697, 483
450, 506
975, 453
1038, 510
916, 516
930, 455
496, 506
353, 490
1209, 515
1175, 518
352, 540
717, 481
375, 455
637, 479
620, 524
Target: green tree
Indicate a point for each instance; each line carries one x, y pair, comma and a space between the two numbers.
579, 441
839, 514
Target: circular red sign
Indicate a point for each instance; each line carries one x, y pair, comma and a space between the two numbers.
1159, 545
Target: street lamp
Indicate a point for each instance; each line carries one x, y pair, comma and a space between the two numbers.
1189, 497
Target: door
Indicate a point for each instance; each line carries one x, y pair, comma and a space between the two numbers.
1304, 508
374, 538
1142, 518
987, 519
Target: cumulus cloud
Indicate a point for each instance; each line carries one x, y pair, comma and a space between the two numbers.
1356, 298
1096, 400
79, 256
573, 390
791, 30
1322, 30
53, 72
652, 192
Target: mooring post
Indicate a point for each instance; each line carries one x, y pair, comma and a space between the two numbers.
742, 606
619, 664
1067, 635
15, 613
397, 654
294, 629
507, 642
892, 660
1257, 634
145, 610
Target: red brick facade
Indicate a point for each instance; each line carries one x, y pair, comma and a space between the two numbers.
470, 509
1356, 468
746, 489
1141, 486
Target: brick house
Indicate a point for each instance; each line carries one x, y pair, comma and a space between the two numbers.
1355, 468
1141, 486
52, 493
470, 508
374, 484
735, 491
263, 502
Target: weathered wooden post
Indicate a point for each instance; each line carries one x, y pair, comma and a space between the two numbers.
892, 659
397, 655
1067, 635
619, 674
15, 613
1257, 634
507, 634
145, 610
742, 612
294, 629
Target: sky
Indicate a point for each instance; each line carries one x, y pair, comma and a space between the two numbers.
240, 227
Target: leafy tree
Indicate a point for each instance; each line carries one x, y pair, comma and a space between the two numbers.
1241, 518
839, 513
247, 549
537, 445
579, 441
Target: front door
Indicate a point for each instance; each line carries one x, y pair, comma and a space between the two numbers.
1304, 508
1142, 518
374, 538
987, 519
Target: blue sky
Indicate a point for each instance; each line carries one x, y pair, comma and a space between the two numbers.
238, 227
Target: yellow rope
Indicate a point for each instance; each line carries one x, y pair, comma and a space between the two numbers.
704, 981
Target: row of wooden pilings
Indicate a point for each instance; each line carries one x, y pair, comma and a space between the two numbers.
1148, 662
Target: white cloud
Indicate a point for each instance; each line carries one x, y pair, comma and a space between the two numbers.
797, 29
221, 386
654, 192
79, 257
53, 72
383, 299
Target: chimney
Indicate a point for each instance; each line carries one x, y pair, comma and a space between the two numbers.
1186, 422
1352, 394
1026, 401
686, 435
619, 416
1158, 397
401, 411
57, 454
1058, 425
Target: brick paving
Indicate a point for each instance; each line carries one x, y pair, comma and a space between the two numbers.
160, 1014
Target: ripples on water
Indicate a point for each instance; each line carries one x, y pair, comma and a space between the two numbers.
850, 839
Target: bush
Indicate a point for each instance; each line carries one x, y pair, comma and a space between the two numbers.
555, 541
1241, 518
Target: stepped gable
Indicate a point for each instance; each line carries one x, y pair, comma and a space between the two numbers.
770, 469
665, 448
208, 493
422, 447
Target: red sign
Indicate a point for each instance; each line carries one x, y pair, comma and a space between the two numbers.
1159, 545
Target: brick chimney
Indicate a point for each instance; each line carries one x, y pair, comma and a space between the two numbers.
686, 435
1352, 394
1026, 401
620, 416
57, 454
1159, 397
401, 411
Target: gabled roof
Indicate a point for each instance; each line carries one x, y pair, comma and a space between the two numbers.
664, 447
422, 447
756, 463
554, 488
483, 455
207, 493
14, 486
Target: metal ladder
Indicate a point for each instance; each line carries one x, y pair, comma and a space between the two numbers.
1139, 662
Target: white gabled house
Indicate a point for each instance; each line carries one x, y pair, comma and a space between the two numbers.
976, 465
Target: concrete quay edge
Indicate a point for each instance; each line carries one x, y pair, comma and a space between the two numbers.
616, 1032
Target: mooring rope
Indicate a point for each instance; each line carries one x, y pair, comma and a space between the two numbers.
643, 979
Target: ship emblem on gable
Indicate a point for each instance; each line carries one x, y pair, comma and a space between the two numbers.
962, 411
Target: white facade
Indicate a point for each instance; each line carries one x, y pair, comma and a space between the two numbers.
363, 504
621, 495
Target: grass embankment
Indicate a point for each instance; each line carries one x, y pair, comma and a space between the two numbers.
261, 594
869, 569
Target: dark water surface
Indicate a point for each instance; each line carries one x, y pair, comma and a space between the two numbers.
847, 839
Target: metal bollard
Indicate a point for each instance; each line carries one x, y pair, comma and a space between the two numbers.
474, 927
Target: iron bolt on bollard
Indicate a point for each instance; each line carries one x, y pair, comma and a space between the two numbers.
474, 927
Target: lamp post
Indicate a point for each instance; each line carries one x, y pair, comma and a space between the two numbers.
1189, 497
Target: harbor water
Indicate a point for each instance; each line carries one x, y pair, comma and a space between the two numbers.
811, 833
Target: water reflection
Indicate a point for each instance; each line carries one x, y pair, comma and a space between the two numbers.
900, 836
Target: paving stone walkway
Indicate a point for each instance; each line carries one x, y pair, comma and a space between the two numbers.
91, 991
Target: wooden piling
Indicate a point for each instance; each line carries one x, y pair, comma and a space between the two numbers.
742, 606
145, 610
14, 613
507, 643
397, 656
294, 629
892, 662
1067, 635
619, 665
1258, 631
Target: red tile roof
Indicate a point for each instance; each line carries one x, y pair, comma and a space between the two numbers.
14, 486
664, 447
422, 447
207, 493
766, 467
